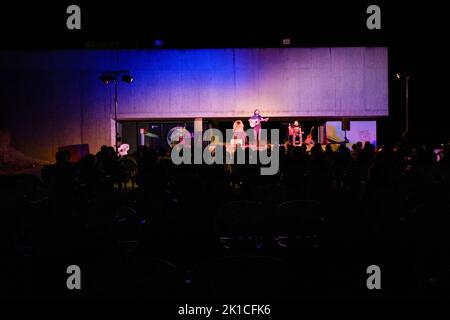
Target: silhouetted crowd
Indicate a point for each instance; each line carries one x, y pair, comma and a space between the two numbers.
141, 227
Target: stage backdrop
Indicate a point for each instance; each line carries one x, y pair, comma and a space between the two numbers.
50, 99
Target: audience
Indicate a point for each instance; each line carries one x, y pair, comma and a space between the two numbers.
142, 204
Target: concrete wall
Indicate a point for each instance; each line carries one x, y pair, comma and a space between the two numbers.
54, 98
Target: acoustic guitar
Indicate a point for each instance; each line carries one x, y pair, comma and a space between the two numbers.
256, 122
309, 138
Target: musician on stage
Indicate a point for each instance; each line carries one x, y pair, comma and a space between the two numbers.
295, 132
255, 123
239, 135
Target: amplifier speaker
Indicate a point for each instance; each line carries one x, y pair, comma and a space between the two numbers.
345, 124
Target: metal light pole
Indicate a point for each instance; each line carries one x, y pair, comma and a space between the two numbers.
407, 107
113, 76
116, 125
406, 77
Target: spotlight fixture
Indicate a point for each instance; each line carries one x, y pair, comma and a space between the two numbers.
127, 78
107, 78
402, 75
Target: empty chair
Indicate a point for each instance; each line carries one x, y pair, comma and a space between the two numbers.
128, 226
137, 277
241, 277
298, 223
297, 215
240, 222
240, 218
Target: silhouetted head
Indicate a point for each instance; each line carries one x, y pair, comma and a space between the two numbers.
368, 145
256, 112
343, 148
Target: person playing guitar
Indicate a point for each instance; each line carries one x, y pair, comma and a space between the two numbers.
295, 131
255, 123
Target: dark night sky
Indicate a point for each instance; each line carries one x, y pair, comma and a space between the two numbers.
414, 34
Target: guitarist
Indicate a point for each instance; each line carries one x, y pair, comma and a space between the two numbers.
295, 131
255, 123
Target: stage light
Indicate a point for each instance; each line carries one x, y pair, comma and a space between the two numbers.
113, 76
158, 43
127, 78
402, 75
106, 78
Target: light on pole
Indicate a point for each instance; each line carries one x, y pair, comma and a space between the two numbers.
115, 77
406, 77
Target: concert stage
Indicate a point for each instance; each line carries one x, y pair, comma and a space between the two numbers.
67, 104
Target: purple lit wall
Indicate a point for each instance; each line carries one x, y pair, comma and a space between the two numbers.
54, 98
359, 131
